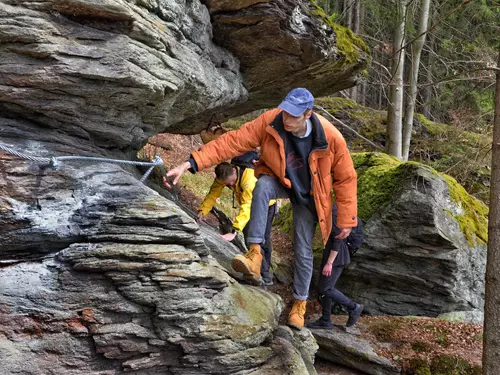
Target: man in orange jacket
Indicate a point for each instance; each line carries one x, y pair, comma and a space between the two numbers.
303, 156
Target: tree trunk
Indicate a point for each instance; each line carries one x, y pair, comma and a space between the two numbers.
348, 13
416, 49
491, 336
396, 89
362, 96
356, 17
426, 90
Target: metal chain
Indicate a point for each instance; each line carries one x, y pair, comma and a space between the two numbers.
55, 161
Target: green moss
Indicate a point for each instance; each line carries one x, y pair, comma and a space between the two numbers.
419, 366
336, 104
434, 128
379, 177
199, 184
384, 330
452, 365
473, 219
421, 346
285, 219
443, 340
348, 44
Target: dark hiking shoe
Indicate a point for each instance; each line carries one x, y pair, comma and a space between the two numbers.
320, 324
354, 315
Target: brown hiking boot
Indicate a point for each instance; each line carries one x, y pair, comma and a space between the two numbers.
249, 264
296, 316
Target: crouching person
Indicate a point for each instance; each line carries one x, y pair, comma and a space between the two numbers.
240, 179
336, 255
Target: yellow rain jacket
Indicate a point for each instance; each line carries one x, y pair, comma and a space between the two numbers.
242, 189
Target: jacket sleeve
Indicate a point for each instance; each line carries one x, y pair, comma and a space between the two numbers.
235, 142
344, 183
211, 197
247, 184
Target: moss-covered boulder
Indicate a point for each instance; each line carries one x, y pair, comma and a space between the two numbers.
425, 248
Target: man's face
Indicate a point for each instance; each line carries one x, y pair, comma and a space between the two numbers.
296, 125
231, 180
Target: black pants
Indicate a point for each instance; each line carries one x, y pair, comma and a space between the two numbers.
328, 293
266, 248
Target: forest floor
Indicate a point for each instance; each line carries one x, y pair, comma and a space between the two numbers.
406, 339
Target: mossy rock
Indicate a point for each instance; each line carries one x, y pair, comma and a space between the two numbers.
348, 44
473, 218
284, 221
380, 176
419, 366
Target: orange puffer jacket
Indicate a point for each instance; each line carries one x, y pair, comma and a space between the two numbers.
330, 163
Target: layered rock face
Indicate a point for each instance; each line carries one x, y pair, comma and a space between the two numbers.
111, 72
135, 288
424, 253
100, 274
281, 46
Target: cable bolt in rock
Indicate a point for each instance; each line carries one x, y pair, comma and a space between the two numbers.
55, 162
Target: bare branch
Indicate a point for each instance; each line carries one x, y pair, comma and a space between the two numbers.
464, 3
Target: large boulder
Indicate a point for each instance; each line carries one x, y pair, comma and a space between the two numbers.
352, 350
286, 44
133, 288
425, 241
100, 274
116, 72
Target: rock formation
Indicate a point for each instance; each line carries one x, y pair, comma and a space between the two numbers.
425, 241
99, 273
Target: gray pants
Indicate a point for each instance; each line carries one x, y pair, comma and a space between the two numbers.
305, 220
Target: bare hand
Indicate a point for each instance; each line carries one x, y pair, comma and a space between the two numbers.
327, 270
176, 172
199, 217
344, 233
228, 236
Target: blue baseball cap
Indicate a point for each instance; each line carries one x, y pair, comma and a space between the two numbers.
297, 102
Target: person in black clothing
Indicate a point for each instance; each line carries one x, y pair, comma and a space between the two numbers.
336, 255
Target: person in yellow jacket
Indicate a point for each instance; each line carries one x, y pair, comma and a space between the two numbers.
241, 181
